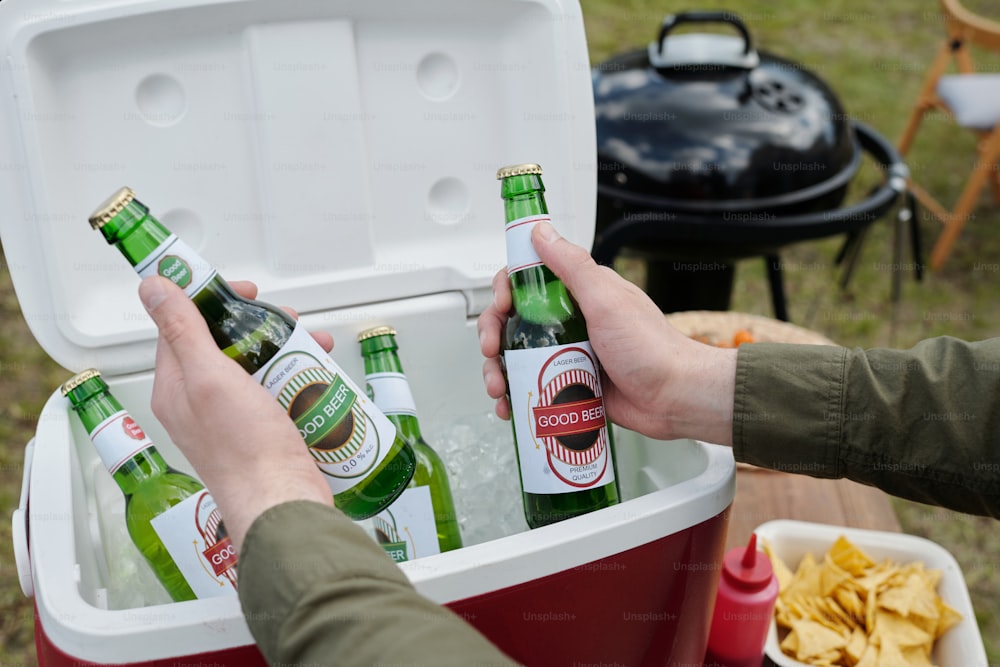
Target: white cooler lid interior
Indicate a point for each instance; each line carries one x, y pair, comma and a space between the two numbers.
336, 153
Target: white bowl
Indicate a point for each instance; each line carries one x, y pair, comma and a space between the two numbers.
961, 646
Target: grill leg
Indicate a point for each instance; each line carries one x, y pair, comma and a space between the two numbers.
678, 285
852, 255
777, 284
909, 212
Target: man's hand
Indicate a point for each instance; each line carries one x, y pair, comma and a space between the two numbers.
656, 380
241, 443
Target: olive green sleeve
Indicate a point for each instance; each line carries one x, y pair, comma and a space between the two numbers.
922, 424
317, 590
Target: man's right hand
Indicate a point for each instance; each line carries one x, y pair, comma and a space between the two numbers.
656, 380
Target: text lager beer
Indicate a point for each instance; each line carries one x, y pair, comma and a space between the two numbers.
561, 433
166, 511
366, 464
422, 521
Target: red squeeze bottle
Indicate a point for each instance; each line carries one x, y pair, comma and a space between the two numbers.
743, 608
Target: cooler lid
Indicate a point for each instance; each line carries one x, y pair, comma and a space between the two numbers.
337, 153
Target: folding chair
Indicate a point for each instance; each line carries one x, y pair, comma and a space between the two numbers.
973, 101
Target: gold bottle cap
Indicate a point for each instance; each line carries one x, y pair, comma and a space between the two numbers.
518, 170
78, 379
376, 331
111, 207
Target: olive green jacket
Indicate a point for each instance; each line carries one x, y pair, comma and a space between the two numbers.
317, 590
922, 424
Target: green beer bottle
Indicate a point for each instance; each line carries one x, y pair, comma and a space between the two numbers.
366, 464
422, 521
165, 510
561, 434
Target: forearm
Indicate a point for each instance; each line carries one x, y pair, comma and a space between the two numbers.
702, 405
327, 594
919, 424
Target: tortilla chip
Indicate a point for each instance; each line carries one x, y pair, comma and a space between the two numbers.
850, 557
815, 639
781, 571
947, 619
856, 645
849, 611
891, 628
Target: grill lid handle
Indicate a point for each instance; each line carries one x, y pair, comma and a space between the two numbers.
700, 50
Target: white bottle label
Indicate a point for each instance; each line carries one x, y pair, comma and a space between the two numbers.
191, 533
559, 422
406, 530
520, 253
117, 439
391, 393
177, 261
346, 433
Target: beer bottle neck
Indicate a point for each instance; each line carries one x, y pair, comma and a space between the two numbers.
538, 295
389, 386
132, 459
94, 406
135, 232
523, 197
238, 326
409, 427
142, 467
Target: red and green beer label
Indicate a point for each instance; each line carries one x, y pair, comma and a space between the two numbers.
559, 421
177, 261
346, 434
194, 535
391, 393
406, 530
117, 439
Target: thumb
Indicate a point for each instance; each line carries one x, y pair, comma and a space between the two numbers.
180, 324
571, 263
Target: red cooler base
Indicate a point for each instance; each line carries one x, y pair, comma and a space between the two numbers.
650, 605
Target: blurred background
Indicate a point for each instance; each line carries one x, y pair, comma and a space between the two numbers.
874, 56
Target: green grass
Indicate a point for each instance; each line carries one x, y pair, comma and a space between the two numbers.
873, 55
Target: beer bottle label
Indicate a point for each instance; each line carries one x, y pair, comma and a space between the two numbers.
194, 536
391, 393
520, 253
406, 530
346, 433
177, 261
117, 439
559, 422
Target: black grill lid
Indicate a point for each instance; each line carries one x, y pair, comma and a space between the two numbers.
705, 122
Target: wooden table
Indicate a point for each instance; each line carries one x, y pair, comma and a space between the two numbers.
763, 495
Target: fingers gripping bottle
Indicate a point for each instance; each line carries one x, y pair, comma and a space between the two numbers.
563, 439
422, 521
365, 462
166, 511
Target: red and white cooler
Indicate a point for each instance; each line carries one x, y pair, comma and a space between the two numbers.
341, 155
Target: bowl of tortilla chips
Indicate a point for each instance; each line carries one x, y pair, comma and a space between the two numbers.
865, 598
